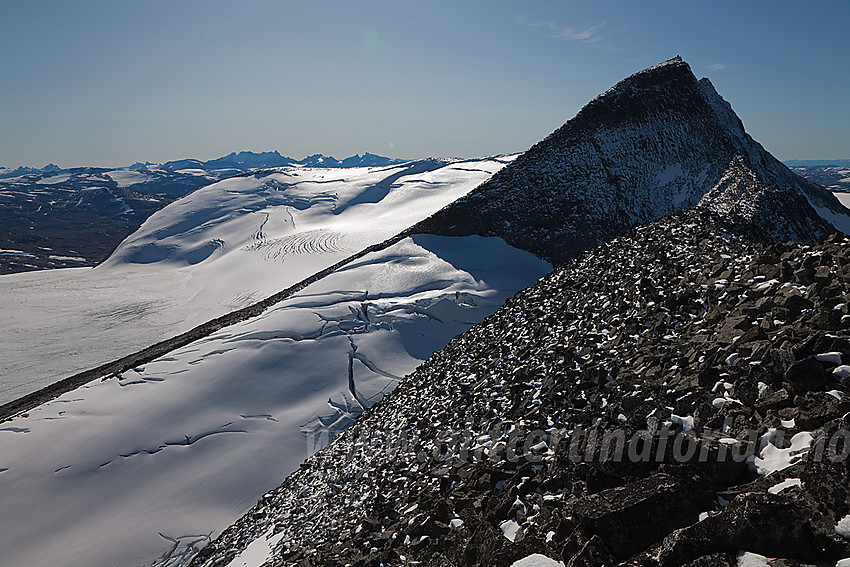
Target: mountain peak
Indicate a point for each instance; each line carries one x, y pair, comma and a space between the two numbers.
658, 141
668, 87
655, 72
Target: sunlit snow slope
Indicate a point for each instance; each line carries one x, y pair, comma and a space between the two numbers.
220, 248
149, 466
146, 467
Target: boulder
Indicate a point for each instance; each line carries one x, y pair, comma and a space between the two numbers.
817, 408
804, 376
774, 401
619, 515
767, 524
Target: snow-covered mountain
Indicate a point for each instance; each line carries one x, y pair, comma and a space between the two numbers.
24, 170
658, 141
709, 352
54, 218
665, 400
147, 465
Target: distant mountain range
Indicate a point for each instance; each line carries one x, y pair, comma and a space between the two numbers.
792, 163
834, 177
244, 161
241, 161
52, 217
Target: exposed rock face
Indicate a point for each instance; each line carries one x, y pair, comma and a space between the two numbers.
657, 142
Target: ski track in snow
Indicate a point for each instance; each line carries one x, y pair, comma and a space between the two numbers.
317, 241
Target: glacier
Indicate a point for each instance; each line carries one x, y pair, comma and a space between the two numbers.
146, 467
223, 247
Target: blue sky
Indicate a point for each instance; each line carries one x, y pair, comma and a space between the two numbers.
113, 82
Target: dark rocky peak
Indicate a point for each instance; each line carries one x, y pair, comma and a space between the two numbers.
667, 88
773, 173
494, 448
658, 141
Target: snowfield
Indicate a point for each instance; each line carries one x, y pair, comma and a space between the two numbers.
146, 467
221, 248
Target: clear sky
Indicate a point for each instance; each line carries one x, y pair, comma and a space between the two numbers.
112, 82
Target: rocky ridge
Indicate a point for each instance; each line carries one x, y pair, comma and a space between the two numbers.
674, 395
481, 456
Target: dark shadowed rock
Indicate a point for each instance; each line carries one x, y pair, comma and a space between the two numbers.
715, 560
805, 376
766, 524
817, 408
618, 516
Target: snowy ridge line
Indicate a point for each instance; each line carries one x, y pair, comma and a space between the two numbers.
53, 391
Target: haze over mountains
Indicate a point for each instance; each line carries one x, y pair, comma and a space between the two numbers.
675, 302
244, 161
239, 161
